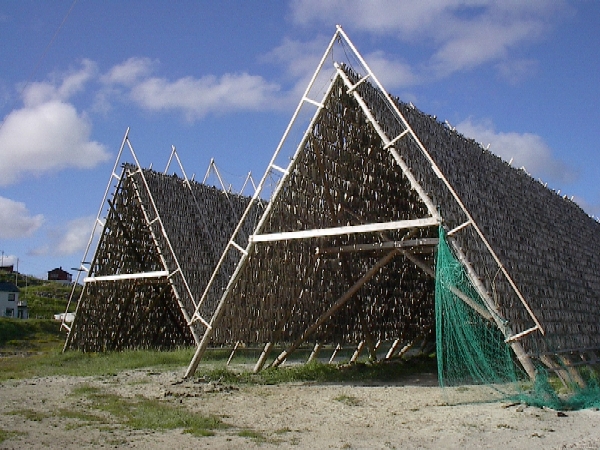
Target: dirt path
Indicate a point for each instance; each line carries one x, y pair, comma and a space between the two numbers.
53, 412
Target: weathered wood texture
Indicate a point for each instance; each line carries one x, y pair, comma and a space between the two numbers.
548, 244
145, 313
343, 176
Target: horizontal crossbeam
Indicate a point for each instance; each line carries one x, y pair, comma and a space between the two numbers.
407, 244
127, 276
351, 229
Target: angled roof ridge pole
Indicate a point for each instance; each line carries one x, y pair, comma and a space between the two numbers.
150, 223
97, 222
261, 184
249, 179
212, 167
188, 184
165, 235
388, 144
232, 244
439, 173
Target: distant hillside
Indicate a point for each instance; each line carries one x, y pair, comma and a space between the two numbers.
26, 336
44, 298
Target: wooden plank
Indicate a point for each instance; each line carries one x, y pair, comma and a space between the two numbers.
127, 276
334, 353
237, 344
425, 242
351, 229
336, 306
356, 353
392, 349
263, 357
314, 353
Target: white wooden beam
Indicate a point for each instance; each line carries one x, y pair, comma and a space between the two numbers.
351, 229
127, 276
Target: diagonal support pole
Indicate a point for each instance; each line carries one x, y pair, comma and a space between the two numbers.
336, 306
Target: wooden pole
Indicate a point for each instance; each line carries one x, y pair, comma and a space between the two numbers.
336, 306
356, 354
237, 344
314, 353
263, 357
335, 351
392, 349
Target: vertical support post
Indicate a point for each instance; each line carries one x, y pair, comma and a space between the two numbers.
314, 353
335, 352
407, 347
263, 357
516, 346
237, 344
356, 354
574, 375
392, 349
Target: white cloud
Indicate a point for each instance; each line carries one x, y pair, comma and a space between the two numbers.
129, 72
48, 133
391, 74
375, 16
61, 88
197, 97
454, 34
194, 97
524, 149
299, 58
45, 137
8, 260
15, 220
75, 238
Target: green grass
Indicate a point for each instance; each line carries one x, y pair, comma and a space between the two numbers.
18, 334
75, 363
5, 434
256, 436
29, 414
41, 343
141, 413
348, 400
322, 373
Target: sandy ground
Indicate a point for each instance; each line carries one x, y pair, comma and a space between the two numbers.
412, 414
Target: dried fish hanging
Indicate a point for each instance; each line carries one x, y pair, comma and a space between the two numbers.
162, 237
328, 250
285, 281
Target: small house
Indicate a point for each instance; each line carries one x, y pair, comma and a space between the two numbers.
60, 275
10, 305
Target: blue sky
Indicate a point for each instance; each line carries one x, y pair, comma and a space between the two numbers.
222, 79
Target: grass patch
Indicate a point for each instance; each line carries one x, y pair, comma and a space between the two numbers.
5, 434
322, 373
141, 413
83, 416
29, 335
348, 400
74, 363
29, 414
256, 436
52, 361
